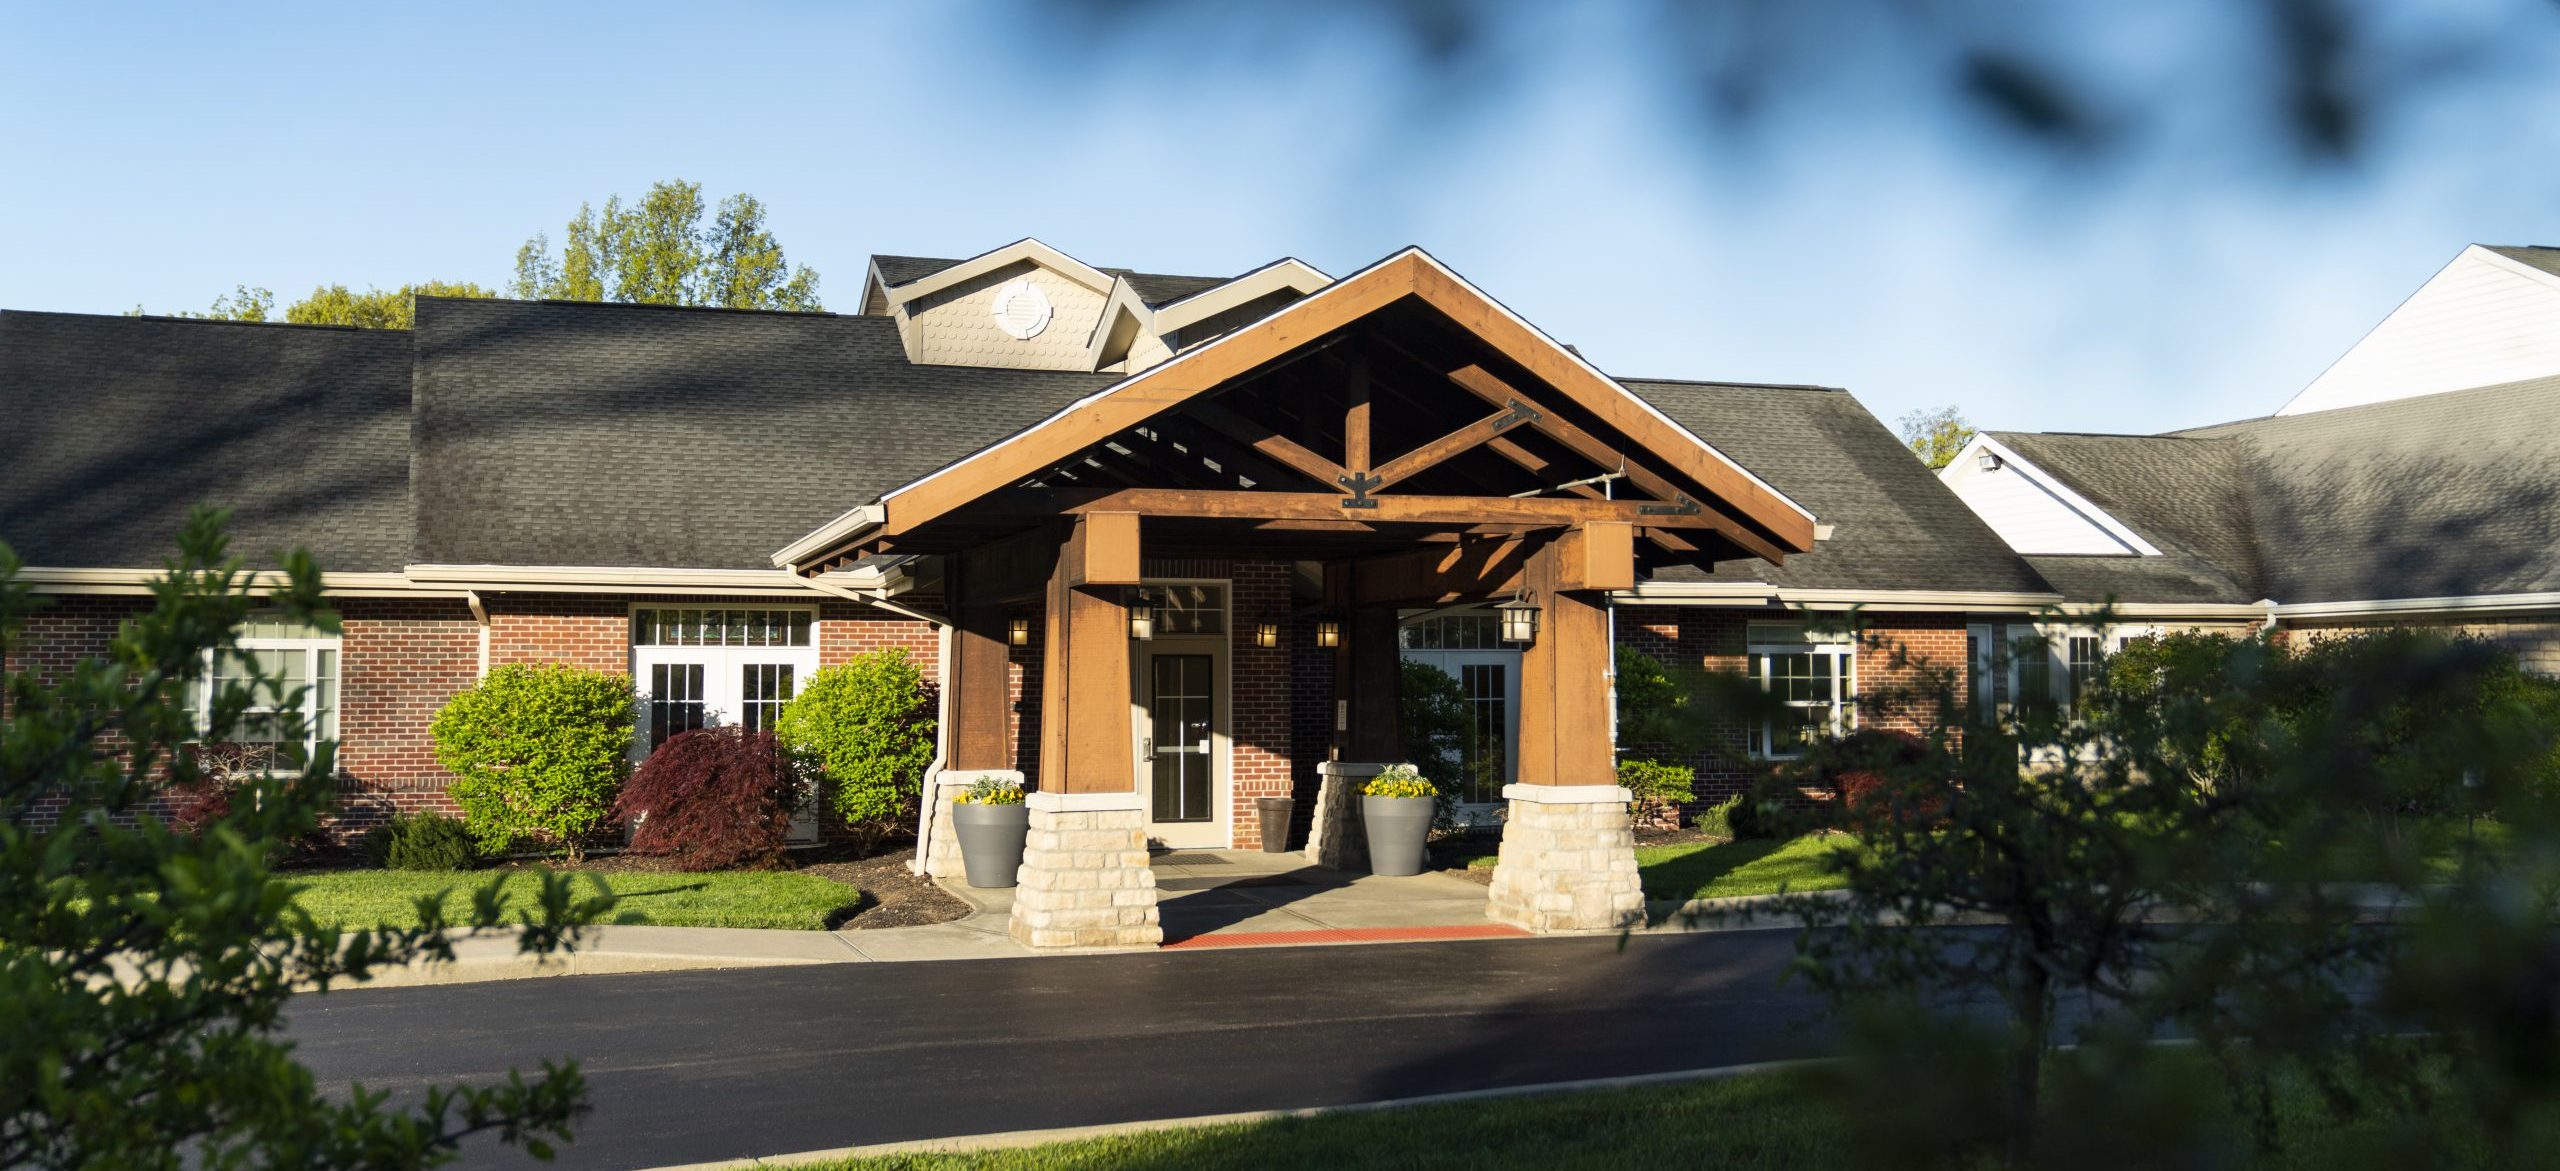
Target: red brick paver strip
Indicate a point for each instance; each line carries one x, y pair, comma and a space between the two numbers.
1349, 935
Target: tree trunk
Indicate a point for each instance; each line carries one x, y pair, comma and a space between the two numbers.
2026, 1063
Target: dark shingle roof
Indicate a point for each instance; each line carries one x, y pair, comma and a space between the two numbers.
2539, 256
1894, 526
619, 435
2443, 495
2188, 497
117, 426
1155, 287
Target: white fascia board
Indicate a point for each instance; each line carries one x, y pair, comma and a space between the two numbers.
1026, 248
2509, 264
1764, 594
851, 522
2393, 607
1123, 301
45, 580
617, 579
2072, 500
1288, 273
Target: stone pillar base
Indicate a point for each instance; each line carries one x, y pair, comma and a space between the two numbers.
1568, 860
939, 855
1334, 836
1085, 881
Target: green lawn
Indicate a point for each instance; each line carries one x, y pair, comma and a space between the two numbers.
1763, 1122
1717, 870
367, 898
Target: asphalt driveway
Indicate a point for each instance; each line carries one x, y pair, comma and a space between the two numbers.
692, 1066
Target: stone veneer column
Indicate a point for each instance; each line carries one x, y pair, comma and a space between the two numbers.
942, 844
1085, 881
1568, 860
1334, 836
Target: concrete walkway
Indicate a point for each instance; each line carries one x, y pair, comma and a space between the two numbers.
1208, 898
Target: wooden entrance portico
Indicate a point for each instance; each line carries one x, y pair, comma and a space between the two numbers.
1401, 430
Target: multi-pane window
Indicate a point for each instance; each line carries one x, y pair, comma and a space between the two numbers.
300, 663
1189, 608
1812, 675
1453, 632
762, 689
1487, 688
2082, 655
675, 700
690, 627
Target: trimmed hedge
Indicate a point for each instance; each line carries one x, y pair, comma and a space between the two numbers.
537, 753
419, 841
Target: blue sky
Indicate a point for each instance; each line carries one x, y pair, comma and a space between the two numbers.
161, 156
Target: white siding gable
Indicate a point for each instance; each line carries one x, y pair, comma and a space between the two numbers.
2033, 512
2481, 321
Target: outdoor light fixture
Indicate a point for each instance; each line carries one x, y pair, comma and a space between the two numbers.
1266, 633
1987, 460
1018, 631
1142, 616
1328, 633
1519, 620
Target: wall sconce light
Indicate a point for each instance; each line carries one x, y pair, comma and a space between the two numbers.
1328, 633
1142, 616
1266, 633
1519, 620
1018, 631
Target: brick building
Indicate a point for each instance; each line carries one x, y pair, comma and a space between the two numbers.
1161, 540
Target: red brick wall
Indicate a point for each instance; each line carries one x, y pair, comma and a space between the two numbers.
1259, 712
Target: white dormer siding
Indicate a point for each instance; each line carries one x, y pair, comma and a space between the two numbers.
2483, 320
2031, 510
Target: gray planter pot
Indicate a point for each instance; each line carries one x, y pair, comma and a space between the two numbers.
991, 838
1398, 830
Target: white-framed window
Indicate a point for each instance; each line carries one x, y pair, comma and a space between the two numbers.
1188, 607
1465, 630
1814, 676
301, 663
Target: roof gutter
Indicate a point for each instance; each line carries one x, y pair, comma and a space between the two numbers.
631, 580
1762, 594
2391, 607
852, 523
139, 581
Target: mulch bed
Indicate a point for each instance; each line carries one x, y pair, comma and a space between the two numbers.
891, 897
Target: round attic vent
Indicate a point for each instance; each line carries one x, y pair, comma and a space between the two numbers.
1022, 310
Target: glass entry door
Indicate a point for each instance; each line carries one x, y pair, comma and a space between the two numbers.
1181, 714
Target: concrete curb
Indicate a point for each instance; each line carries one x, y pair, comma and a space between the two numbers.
1013, 1140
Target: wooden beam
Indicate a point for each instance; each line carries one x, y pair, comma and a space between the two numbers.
1424, 510
1274, 445
978, 677
1564, 676
1106, 549
1600, 555
1355, 411
1445, 573
1486, 386
1085, 741
1451, 445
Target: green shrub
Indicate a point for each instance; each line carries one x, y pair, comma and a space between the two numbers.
419, 841
1658, 790
1717, 820
868, 728
991, 791
1399, 780
1435, 723
537, 753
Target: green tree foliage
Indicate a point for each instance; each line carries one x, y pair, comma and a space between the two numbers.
1937, 435
1657, 790
375, 308
240, 304
537, 753
1437, 724
659, 252
868, 726
2167, 854
144, 970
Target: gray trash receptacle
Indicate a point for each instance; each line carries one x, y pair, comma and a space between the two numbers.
1275, 822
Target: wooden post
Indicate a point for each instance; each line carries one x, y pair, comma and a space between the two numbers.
1086, 741
981, 733
1564, 684
1366, 667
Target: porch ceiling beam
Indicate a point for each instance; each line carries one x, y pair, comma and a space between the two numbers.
1425, 510
1445, 573
1274, 445
1484, 385
1537, 465
1233, 459
1452, 445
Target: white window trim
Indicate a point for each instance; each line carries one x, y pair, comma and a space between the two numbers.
1844, 700
316, 731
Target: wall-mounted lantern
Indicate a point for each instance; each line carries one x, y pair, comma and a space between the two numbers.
1018, 630
1519, 620
1266, 633
1328, 632
1142, 616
